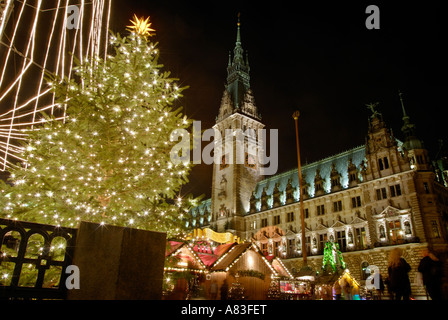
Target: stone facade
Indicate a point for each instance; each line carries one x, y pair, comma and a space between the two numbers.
369, 199
356, 262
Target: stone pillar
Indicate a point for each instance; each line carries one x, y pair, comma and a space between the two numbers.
117, 263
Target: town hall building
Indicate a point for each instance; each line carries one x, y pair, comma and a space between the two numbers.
369, 199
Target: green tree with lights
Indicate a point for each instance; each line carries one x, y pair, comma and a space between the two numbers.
109, 160
333, 261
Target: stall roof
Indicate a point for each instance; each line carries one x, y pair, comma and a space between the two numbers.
232, 254
203, 253
222, 256
173, 246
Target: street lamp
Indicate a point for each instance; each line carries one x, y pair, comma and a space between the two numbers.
296, 115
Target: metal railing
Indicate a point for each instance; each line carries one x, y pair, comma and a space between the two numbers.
33, 260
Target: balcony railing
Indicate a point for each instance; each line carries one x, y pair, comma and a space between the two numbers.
396, 242
352, 248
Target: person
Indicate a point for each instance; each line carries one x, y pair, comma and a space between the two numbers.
213, 290
326, 293
398, 270
337, 290
224, 290
313, 293
380, 291
347, 291
431, 268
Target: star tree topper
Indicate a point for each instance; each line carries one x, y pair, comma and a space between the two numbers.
141, 26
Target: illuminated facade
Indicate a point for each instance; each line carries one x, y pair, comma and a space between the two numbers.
368, 199
39, 37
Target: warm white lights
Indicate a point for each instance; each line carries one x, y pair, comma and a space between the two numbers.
35, 39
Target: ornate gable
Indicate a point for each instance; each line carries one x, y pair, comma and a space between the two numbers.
320, 226
261, 236
357, 220
276, 235
306, 230
290, 234
391, 212
249, 108
338, 224
226, 107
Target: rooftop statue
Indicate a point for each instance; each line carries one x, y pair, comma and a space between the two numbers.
372, 106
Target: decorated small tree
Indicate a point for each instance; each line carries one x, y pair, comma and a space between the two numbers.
236, 290
108, 161
333, 261
274, 292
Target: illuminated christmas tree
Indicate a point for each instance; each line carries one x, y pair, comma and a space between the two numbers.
236, 290
274, 292
109, 160
333, 261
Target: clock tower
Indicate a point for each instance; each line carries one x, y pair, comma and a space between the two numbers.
236, 170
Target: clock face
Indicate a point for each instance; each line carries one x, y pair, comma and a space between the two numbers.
250, 161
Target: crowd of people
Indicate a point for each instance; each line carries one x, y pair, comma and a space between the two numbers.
397, 281
398, 284
429, 274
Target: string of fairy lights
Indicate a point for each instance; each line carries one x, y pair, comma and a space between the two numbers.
109, 161
202, 269
35, 40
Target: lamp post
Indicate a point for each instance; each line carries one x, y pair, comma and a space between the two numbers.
296, 115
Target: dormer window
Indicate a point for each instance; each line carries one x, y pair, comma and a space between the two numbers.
335, 182
420, 159
383, 163
386, 163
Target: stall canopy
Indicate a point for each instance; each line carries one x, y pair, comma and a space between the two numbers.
202, 256
198, 255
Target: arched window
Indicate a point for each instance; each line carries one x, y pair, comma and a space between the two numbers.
382, 232
407, 228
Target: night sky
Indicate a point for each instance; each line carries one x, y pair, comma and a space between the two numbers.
318, 58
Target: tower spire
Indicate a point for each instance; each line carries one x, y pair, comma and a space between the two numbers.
408, 129
238, 34
405, 116
408, 126
238, 71
238, 96
238, 50
233, 180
